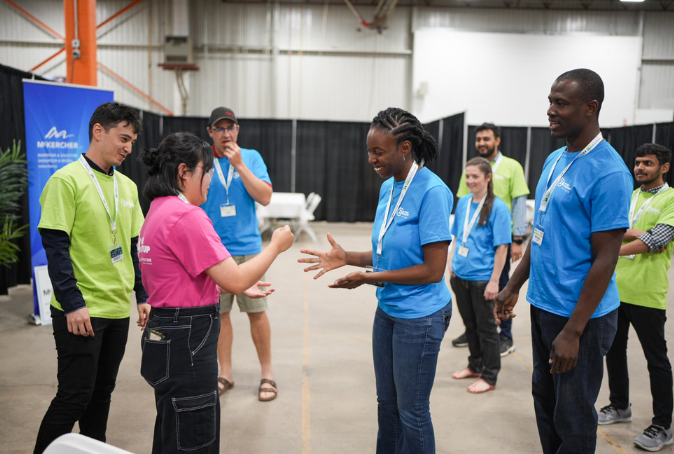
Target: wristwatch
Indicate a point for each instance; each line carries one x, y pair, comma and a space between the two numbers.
519, 240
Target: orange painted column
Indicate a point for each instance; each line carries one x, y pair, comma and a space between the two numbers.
82, 70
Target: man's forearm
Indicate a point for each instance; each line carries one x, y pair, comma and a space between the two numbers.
605, 248
635, 247
519, 216
56, 244
521, 274
259, 190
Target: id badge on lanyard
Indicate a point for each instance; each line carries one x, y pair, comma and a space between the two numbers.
468, 226
226, 209
539, 231
116, 253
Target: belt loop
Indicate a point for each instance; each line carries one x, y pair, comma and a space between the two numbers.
175, 315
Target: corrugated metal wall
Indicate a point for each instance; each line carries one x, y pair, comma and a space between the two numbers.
302, 61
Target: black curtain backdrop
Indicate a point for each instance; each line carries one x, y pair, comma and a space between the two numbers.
448, 166
132, 166
330, 159
13, 128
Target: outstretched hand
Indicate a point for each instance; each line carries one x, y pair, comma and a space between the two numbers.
350, 281
325, 261
255, 292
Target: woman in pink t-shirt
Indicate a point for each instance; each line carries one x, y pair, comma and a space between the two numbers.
183, 262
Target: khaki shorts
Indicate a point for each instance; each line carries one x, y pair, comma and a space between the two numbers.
245, 304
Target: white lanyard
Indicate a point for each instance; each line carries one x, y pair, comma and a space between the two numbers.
113, 222
385, 225
182, 197
634, 218
497, 162
468, 227
550, 188
230, 175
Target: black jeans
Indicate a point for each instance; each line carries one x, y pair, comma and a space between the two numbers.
506, 326
183, 370
478, 316
564, 403
649, 324
87, 371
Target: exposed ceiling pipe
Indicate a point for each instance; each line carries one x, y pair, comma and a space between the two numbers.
357, 14
382, 11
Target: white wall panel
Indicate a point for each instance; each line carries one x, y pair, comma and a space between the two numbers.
16, 26
657, 86
659, 35
528, 21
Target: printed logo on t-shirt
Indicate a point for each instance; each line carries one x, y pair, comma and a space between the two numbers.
126, 203
653, 210
499, 177
142, 250
402, 213
564, 185
236, 174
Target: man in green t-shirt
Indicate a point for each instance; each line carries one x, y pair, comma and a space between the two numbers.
511, 187
89, 225
641, 275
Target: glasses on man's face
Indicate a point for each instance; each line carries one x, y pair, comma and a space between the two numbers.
230, 130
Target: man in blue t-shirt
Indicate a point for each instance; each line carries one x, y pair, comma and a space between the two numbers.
240, 180
582, 204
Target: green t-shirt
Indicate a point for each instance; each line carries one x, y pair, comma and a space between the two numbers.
643, 281
71, 203
509, 181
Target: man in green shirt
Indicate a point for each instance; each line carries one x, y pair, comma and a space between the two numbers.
511, 187
90, 223
641, 275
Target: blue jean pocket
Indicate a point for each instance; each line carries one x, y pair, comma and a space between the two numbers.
196, 420
154, 366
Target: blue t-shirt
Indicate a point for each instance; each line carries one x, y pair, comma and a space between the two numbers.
423, 218
240, 233
593, 196
482, 241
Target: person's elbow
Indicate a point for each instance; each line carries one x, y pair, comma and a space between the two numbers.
435, 276
264, 198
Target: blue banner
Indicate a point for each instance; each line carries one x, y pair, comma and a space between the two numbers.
57, 132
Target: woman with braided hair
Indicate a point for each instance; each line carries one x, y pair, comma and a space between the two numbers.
410, 238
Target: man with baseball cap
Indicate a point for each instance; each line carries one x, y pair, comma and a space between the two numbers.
240, 180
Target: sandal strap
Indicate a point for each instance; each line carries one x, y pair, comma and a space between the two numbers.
268, 382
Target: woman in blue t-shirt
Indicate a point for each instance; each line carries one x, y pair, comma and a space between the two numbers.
482, 232
410, 238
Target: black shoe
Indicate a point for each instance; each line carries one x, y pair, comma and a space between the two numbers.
506, 345
461, 341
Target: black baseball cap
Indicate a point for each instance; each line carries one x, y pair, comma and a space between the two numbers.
221, 113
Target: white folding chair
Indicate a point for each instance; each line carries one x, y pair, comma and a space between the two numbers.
79, 444
307, 215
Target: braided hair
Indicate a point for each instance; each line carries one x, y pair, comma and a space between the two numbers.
406, 127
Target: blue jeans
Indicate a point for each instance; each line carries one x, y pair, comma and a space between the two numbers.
405, 358
183, 370
564, 403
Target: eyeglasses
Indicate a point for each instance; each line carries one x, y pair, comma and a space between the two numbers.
230, 130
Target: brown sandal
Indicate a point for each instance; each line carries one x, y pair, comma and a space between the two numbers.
266, 381
226, 385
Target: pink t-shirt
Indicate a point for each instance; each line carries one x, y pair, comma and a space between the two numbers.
176, 245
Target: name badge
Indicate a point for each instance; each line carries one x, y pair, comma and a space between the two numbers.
227, 210
463, 251
116, 254
538, 236
631, 257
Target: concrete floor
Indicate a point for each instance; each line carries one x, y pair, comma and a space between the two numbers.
323, 365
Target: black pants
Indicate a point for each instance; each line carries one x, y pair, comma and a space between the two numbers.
506, 326
87, 371
478, 316
649, 324
183, 370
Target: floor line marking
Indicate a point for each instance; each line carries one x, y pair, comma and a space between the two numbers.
600, 432
306, 388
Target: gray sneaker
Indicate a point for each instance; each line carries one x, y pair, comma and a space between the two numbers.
654, 438
611, 415
506, 345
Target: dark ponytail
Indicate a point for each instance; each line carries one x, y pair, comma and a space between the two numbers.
406, 127
485, 168
163, 162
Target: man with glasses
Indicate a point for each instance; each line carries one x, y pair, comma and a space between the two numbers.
240, 180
